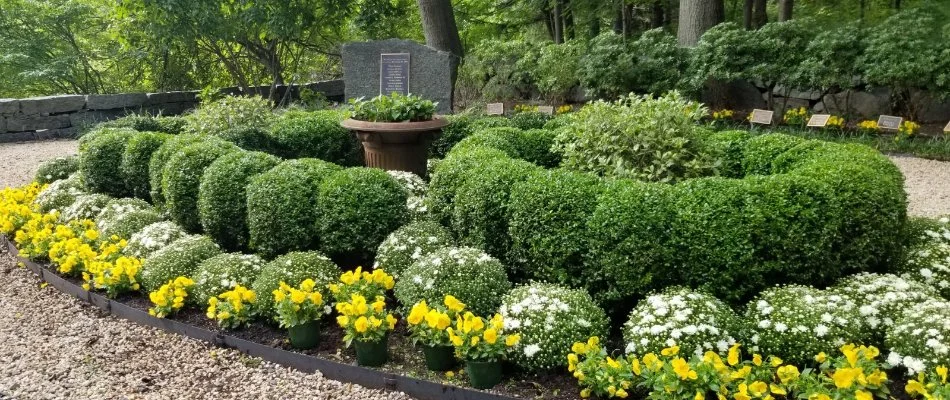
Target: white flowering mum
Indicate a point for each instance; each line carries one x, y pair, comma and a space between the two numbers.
694, 321
224, 272
921, 338
181, 258
410, 243
86, 206
293, 268
550, 318
797, 322
116, 207
471, 275
124, 225
881, 299
417, 191
60, 194
928, 260
153, 238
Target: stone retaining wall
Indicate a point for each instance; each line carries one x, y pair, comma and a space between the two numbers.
52, 117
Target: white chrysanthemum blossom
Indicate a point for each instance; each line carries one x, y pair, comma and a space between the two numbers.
694, 321
409, 244
881, 299
413, 183
153, 238
224, 272
86, 206
550, 318
928, 261
922, 336
796, 322
60, 194
180, 258
476, 279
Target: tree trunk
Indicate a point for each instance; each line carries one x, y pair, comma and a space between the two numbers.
618, 18
438, 25
897, 5
785, 9
627, 20
656, 17
548, 19
696, 17
568, 21
558, 23
594, 30
747, 14
759, 17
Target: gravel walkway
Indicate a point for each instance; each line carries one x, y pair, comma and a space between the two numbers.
18, 161
928, 185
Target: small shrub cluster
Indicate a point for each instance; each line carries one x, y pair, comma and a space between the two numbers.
60, 194
224, 272
55, 169
468, 274
410, 243
230, 112
316, 135
529, 120
115, 208
86, 206
549, 319
156, 165
136, 160
393, 108
293, 268
100, 163
281, 211
146, 123
927, 256
921, 338
881, 300
181, 179
693, 321
180, 258
125, 225
222, 196
153, 238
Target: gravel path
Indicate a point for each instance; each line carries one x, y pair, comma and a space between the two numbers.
927, 183
18, 161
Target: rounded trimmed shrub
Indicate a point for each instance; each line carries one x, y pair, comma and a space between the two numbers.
481, 212
136, 160
222, 196
100, 163
695, 321
250, 139
153, 238
628, 240
359, 207
86, 206
881, 299
180, 258
409, 244
224, 272
60, 194
181, 178
124, 225
457, 129
293, 268
86, 138
548, 215
728, 147
537, 146
503, 139
449, 175
147, 123
760, 151
282, 206
920, 339
316, 134
160, 157
530, 120
797, 322
118, 207
469, 274
55, 169
550, 318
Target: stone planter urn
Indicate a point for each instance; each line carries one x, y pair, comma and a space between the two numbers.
397, 146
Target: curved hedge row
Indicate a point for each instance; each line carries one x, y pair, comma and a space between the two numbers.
787, 210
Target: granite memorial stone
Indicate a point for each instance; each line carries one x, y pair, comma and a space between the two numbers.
889, 122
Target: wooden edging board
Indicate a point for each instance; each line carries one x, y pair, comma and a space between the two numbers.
368, 377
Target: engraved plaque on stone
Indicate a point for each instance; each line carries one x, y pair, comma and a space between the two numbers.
946, 129
495, 109
394, 73
549, 110
819, 120
889, 122
763, 117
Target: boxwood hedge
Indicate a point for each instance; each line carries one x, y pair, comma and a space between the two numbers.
222, 196
316, 135
100, 160
136, 160
282, 206
181, 178
157, 164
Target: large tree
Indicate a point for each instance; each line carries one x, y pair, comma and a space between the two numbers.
438, 25
696, 17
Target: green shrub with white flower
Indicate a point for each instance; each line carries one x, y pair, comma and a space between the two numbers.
796, 322
56, 169
694, 321
928, 258
152, 238
224, 272
124, 225
181, 258
881, 299
417, 188
86, 206
472, 276
293, 268
410, 243
116, 207
60, 194
920, 339
550, 318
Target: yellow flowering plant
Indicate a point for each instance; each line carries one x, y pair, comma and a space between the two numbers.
855, 374
868, 127
428, 324
931, 385
74, 246
370, 285
796, 116
478, 339
363, 321
35, 237
599, 374
906, 130
233, 308
300, 305
170, 298
522, 108
835, 123
115, 277
16, 206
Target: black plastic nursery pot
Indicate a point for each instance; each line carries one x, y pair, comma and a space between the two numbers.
304, 336
439, 358
372, 354
483, 374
